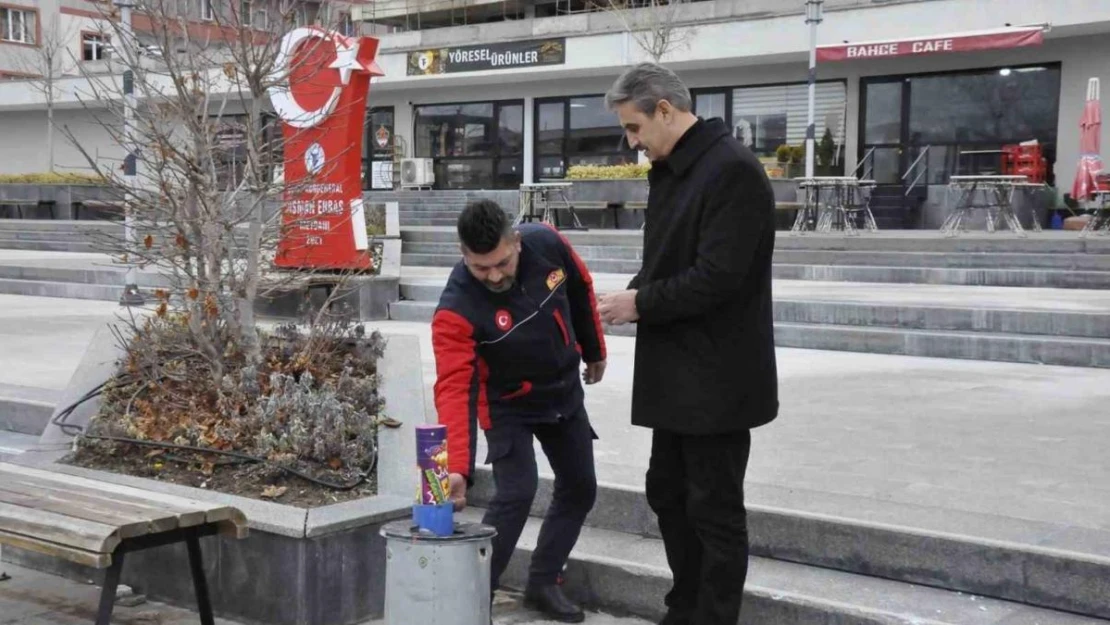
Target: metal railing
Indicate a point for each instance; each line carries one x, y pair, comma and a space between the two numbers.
924, 171
868, 164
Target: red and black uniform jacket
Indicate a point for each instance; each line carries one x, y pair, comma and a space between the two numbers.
514, 356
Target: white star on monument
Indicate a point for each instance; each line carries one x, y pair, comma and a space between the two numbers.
346, 61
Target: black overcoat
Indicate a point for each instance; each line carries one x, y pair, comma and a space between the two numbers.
705, 346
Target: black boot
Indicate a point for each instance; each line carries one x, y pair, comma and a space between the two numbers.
549, 600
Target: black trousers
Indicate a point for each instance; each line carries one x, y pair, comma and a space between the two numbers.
695, 485
568, 446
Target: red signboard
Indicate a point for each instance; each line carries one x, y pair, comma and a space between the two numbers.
968, 42
325, 80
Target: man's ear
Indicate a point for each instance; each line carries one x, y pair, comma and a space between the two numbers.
665, 109
517, 239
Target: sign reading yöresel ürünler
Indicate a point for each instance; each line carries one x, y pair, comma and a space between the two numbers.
321, 100
476, 58
941, 44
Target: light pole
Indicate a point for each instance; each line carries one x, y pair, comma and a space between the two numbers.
131, 295
814, 12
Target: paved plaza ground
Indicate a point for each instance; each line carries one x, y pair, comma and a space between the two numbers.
966, 447
34, 598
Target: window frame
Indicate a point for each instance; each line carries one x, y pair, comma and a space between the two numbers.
208, 10
905, 142
37, 30
563, 154
495, 157
105, 42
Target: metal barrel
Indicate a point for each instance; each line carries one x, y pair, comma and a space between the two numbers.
437, 579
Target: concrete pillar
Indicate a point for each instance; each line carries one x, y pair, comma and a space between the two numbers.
529, 139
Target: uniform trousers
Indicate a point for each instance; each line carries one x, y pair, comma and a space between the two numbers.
568, 445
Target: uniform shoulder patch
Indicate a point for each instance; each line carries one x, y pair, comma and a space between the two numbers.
555, 278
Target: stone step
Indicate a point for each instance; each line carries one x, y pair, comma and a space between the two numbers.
587, 252
895, 241
57, 224
49, 246
946, 260
1047, 323
623, 238
101, 274
26, 410
629, 573
967, 345
422, 221
68, 290
1018, 560
1015, 277
53, 235
1032, 349
604, 265
13, 444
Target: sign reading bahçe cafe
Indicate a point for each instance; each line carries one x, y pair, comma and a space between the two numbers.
496, 56
966, 42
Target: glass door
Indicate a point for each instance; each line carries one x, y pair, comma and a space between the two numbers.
377, 150
884, 131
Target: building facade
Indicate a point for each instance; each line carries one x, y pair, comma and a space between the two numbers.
496, 94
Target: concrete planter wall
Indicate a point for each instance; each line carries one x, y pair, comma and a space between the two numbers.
58, 201
319, 566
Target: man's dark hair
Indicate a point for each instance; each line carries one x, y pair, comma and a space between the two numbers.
482, 225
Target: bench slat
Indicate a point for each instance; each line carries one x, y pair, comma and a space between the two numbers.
78, 556
186, 516
62, 529
191, 512
131, 520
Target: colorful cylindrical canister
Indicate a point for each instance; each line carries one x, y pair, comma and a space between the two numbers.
431, 461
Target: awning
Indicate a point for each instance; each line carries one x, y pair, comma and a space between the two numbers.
956, 42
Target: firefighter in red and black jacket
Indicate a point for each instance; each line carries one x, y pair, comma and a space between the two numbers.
517, 319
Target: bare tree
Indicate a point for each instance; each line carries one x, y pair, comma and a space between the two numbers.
48, 62
207, 186
655, 25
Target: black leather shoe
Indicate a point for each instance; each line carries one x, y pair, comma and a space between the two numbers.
676, 618
552, 603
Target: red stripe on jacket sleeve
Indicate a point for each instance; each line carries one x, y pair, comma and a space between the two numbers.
460, 397
595, 316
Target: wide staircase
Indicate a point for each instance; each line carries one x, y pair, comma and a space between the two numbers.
440, 208
1041, 300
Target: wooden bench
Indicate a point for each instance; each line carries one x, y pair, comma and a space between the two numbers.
96, 524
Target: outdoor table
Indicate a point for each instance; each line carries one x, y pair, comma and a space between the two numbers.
536, 202
831, 201
999, 191
1100, 220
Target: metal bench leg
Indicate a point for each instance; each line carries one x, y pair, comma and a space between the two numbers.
108, 592
200, 583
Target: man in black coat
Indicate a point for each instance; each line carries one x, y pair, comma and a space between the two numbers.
705, 349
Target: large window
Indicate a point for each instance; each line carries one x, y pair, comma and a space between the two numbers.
477, 145
577, 131
19, 25
764, 118
963, 119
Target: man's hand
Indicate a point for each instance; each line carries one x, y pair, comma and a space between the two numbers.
456, 490
618, 308
594, 372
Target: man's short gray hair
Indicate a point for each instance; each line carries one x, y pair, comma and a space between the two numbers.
645, 85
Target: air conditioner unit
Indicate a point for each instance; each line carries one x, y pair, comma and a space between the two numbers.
417, 172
